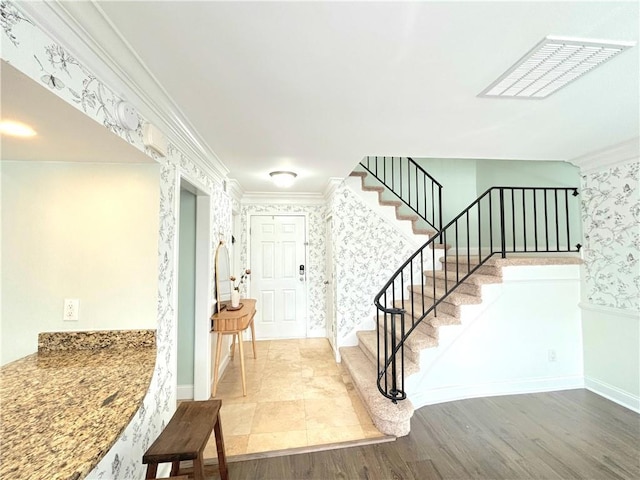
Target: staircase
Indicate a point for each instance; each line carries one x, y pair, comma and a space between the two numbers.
410, 323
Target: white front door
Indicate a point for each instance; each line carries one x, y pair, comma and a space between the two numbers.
278, 275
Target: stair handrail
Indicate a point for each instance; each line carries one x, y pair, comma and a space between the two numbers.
396, 175
391, 370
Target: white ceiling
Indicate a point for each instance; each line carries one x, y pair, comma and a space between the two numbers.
64, 133
315, 86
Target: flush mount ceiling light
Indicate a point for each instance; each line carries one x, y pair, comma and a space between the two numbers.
16, 129
553, 63
282, 178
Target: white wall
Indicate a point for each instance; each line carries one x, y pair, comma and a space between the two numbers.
504, 345
85, 231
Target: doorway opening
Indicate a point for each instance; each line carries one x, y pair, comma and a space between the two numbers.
194, 285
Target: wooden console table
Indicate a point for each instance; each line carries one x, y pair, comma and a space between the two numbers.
234, 322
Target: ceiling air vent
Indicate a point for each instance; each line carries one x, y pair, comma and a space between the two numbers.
553, 63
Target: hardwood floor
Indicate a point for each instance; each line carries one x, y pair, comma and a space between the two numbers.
573, 434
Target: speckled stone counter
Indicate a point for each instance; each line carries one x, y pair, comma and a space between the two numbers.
63, 409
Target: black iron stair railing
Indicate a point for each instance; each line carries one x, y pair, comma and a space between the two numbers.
411, 184
502, 220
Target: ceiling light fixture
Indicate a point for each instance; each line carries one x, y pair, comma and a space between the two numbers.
553, 63
283, 178
16, 129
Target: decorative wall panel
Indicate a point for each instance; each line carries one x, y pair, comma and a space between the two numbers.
366, 252
611, 223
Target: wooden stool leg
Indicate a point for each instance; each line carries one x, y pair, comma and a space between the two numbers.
198, 467
233, 345
244, 381
217, 364
152, 469
222, 459
253, 338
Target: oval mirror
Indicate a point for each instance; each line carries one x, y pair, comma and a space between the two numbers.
222, 275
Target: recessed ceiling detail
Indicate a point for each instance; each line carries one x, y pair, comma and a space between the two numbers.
553, 63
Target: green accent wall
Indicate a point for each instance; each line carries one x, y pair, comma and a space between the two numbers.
464, 180
186, 287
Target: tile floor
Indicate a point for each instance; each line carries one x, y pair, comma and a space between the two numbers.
297, 396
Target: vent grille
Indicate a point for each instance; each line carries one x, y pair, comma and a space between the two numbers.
552, 64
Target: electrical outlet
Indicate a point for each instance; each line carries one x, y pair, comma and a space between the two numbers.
552, 355
71, 307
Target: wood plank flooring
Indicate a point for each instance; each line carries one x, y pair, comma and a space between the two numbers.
573, 434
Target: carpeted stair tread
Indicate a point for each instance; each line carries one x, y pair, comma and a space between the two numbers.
390, 203
407, 216
357, 173
454, 297
468, 288
435, 319
474, 279
423, 336
515, 259
390, 418
463, 268
369, 344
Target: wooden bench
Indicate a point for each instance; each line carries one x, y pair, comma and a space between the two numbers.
185, 437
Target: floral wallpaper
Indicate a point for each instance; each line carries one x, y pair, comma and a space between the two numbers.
366, 252
316, 252
611, 225
31, 51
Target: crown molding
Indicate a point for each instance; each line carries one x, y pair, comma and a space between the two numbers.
280, 198
76, 26
609, 157
234, 189
332, 185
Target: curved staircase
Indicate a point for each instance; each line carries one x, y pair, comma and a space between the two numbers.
440, 285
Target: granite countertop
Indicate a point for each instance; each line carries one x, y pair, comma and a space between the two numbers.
64, 407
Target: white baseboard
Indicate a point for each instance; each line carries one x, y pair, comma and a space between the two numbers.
319, 333
185, 392
612, 393
461, 392
223, 366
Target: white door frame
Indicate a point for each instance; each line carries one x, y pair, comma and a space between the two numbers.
203, 279
277, 213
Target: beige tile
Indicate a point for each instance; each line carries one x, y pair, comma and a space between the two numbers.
324, 387
370, 431
264, 442
279, 416
277, 367
315, 343
237, 418
280, 388
313, 355
232, 389
321, 436
322, 368
324, 413
297, 395
361, 411
286, 344
284, 355
233, 445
